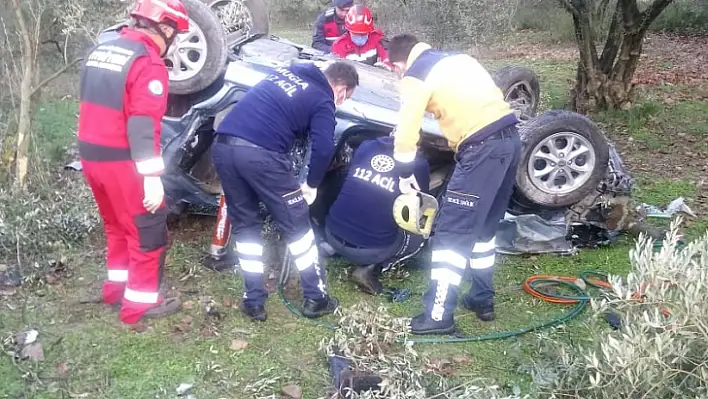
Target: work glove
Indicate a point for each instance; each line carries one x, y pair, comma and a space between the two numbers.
309, 193
383, 65
408, 185
154, 193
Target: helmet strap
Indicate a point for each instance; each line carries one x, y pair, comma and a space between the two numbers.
155, 27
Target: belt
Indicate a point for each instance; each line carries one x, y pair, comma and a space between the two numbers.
501, 134
345, 242
235, 141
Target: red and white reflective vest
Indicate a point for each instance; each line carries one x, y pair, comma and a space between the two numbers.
123, 97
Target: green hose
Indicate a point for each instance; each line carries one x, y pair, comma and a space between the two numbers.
580, 296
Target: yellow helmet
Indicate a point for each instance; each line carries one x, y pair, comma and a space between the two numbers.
415, 213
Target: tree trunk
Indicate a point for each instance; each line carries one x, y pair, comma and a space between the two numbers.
606, 81
24, 123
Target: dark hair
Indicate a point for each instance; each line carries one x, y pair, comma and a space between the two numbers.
400, 46
342, 73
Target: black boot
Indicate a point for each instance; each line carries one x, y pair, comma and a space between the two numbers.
255, 312
313, 309
484, 312
438, 298
423, 325
367, 278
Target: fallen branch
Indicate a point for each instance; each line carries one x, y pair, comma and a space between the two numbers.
55, 75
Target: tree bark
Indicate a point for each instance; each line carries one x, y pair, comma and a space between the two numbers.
25, 120
606, 81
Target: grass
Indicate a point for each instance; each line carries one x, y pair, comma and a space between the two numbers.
88, 352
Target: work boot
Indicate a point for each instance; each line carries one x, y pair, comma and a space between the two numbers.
484, 312
255, 312
98, 299
313, 309
165, 308
367, 278
424, 324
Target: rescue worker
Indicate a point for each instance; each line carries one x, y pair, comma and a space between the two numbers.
360, 224
329, 25
250, 155
362, 41
123, 97
481, 128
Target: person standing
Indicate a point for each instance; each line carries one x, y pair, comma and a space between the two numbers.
123, 97
329, 25
250, 154
481, 128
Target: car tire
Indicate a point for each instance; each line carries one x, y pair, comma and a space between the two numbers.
214, 52
558, 135
521, 89
258, 13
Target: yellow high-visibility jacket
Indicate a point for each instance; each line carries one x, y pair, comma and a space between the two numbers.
457, 90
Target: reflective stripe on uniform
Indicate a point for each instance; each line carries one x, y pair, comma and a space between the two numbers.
450, 257
306, 260
363, 56
249, 248
445, 276
485, 246
140, 297
304, 251
483, 255
301, 246
118, 275
251, 266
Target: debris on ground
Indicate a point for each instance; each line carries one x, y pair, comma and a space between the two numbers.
676, 206
532, 234
27, 346
210, 307
238, 345
291, 391
183, 389
58, 270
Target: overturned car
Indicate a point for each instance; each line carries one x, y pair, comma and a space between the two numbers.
567, 163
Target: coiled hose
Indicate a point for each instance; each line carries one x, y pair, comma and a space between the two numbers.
531, 285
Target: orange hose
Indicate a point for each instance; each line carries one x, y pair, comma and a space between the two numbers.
599, 283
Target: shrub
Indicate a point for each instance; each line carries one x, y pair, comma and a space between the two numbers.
661, 349
371, 339
45, 221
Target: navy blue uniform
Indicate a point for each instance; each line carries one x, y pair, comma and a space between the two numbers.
361, 219
250, 155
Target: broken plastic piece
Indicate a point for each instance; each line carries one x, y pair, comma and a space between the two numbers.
675, 206
184, 389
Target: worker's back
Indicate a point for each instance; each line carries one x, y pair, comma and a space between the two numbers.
362, 215
460, 92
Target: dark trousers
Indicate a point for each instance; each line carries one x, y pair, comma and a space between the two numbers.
476, 198
250, 174
404, 245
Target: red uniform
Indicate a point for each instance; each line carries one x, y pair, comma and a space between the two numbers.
123, 99
328, 27
370, 53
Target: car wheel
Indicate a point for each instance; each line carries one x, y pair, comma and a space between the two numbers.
564, 157
521, 89
242, 18
197, 58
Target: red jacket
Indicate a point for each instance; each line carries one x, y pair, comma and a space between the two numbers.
370, 53
123, 97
